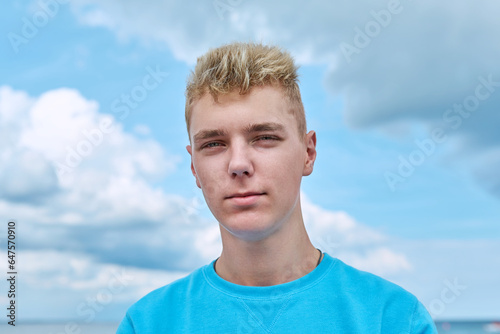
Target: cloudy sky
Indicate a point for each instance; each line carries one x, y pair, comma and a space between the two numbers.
404, 97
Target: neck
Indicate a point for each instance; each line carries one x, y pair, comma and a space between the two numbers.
284, 256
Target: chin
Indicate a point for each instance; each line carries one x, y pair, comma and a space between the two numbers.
249, 231
249, 235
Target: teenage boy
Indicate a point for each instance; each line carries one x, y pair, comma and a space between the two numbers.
249, 150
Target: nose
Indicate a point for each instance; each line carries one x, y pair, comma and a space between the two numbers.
240, 163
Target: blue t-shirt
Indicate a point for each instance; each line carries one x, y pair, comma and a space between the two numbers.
333, 298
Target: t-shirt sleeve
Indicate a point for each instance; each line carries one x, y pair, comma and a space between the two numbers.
422, 322
126, 326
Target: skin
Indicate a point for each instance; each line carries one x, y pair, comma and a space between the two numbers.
248, 158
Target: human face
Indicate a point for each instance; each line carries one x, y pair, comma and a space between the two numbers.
248, 159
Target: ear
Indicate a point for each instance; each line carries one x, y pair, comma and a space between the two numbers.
190, 151
310, 141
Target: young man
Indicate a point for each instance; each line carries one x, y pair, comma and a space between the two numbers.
249, 151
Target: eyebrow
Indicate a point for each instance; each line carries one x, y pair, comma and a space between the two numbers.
207, 134
252, 128
264, 127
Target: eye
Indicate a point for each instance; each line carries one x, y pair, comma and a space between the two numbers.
266, 140
211, 144
267, 137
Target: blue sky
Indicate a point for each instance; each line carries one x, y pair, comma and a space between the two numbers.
404, 97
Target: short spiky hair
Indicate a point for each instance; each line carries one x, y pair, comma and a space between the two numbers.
242, 66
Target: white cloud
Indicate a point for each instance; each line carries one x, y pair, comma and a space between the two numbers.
102, 205
73, 271
142, 129
339, 225
13, 105
103, 169
57, 119
381, 261
358, 245
57, 286
26, 176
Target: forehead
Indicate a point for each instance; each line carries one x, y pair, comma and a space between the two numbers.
234, 111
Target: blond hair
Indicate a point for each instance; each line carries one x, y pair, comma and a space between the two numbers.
242, 66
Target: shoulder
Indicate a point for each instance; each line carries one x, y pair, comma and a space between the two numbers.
380, 300
168, 294
371, 293
162, 308
358, 281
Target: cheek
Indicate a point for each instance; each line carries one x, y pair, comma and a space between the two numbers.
291, 164
284, 170
208, 178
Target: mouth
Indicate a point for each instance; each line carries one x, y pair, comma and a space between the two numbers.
243, 195
244, 199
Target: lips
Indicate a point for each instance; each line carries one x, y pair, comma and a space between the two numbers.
244, 199
247, 194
